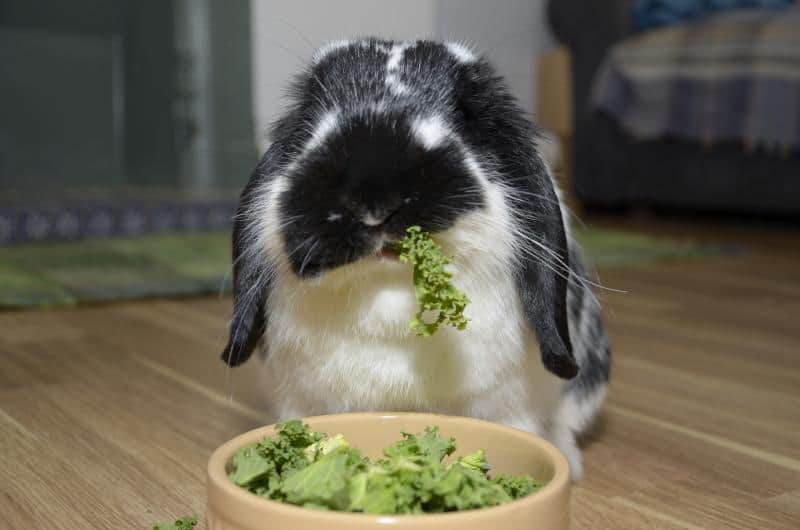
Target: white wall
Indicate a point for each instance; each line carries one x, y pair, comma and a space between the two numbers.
284, 34
510, 33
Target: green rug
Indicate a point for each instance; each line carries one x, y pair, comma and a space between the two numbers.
60, 274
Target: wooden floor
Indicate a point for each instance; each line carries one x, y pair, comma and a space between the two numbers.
108, 414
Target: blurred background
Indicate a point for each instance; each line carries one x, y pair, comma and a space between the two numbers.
123, 120
126, 119
151, 101
129, 127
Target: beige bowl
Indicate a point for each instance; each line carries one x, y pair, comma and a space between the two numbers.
508, 450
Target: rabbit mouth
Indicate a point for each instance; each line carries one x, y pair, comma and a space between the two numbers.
388, 252
387, 248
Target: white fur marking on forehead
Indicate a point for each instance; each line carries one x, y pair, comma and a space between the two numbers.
396, 55
372, 45
326, 49
393, 82
430, 131
461, 52
327, 124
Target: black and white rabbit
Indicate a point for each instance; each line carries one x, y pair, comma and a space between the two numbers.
380, 136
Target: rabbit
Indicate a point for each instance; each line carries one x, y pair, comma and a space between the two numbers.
380, 136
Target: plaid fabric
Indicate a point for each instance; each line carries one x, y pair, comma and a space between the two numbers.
734, 77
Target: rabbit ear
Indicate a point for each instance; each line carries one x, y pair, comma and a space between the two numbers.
494, 121
543, 277
252, 273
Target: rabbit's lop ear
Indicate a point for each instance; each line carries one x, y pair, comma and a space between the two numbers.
494, 122
251, 280
544, 272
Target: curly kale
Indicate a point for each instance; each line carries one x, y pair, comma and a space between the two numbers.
435, 292
309, 469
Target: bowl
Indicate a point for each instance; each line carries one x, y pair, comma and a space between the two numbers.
508, 450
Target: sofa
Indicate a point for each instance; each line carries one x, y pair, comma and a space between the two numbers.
613, 168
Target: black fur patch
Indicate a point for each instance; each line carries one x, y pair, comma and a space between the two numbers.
370, 166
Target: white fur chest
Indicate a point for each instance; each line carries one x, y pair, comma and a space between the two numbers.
344, 344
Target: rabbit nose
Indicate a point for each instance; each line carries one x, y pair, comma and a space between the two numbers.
374, 218
379, 216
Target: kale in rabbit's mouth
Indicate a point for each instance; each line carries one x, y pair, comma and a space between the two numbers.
435, 292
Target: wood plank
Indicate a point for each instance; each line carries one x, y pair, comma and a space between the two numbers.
594, 511
117, 432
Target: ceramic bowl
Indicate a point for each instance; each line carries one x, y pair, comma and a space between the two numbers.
508, 450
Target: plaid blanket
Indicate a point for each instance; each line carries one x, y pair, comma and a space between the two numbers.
734, 77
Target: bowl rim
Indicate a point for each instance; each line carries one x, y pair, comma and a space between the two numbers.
218, 478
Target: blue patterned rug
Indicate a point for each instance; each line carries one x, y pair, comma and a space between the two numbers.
89, 219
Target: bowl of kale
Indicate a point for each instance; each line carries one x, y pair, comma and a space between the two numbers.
370, 470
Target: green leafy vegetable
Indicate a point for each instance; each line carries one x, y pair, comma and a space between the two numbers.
308, 469
323, 483
433, 285
323, 447
358, 491
517, 486
184, 523
427, 446
476, 461
462, 488
263, 467
249, 466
